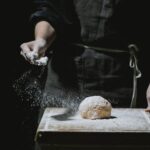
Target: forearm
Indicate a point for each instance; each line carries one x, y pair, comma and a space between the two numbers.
43, 30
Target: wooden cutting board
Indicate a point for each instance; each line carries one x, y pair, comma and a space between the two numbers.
122, 120
126, 129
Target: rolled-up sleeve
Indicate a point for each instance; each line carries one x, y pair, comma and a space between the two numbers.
50, 11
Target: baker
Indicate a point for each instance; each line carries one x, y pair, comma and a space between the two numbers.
86, 36
87, 46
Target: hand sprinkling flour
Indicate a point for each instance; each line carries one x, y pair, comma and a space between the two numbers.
34, 52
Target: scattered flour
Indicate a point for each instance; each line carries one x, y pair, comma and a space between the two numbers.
40, 62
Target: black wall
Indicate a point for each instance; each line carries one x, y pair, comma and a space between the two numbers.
18, 31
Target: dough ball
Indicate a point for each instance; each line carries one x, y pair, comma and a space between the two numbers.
95, 107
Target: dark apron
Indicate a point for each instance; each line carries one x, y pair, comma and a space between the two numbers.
75, 72
78, 72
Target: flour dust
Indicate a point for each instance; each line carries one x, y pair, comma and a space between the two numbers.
29, 89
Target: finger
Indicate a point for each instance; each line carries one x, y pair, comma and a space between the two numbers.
26, 51
22, 54
39, 50
147, 110
26, 58
35, 52
25, 48
38, 53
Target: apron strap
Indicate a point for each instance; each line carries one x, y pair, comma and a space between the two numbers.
133, 63
100, 48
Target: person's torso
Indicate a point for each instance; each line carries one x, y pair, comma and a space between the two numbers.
95, 18
95, 22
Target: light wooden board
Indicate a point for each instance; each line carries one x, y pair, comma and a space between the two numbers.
122, 120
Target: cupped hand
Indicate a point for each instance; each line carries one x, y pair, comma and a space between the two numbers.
34, 52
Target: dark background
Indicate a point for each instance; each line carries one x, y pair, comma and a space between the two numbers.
18, 30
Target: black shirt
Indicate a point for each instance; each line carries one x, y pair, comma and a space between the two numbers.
106, 23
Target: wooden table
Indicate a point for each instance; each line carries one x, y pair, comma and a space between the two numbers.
126, 129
